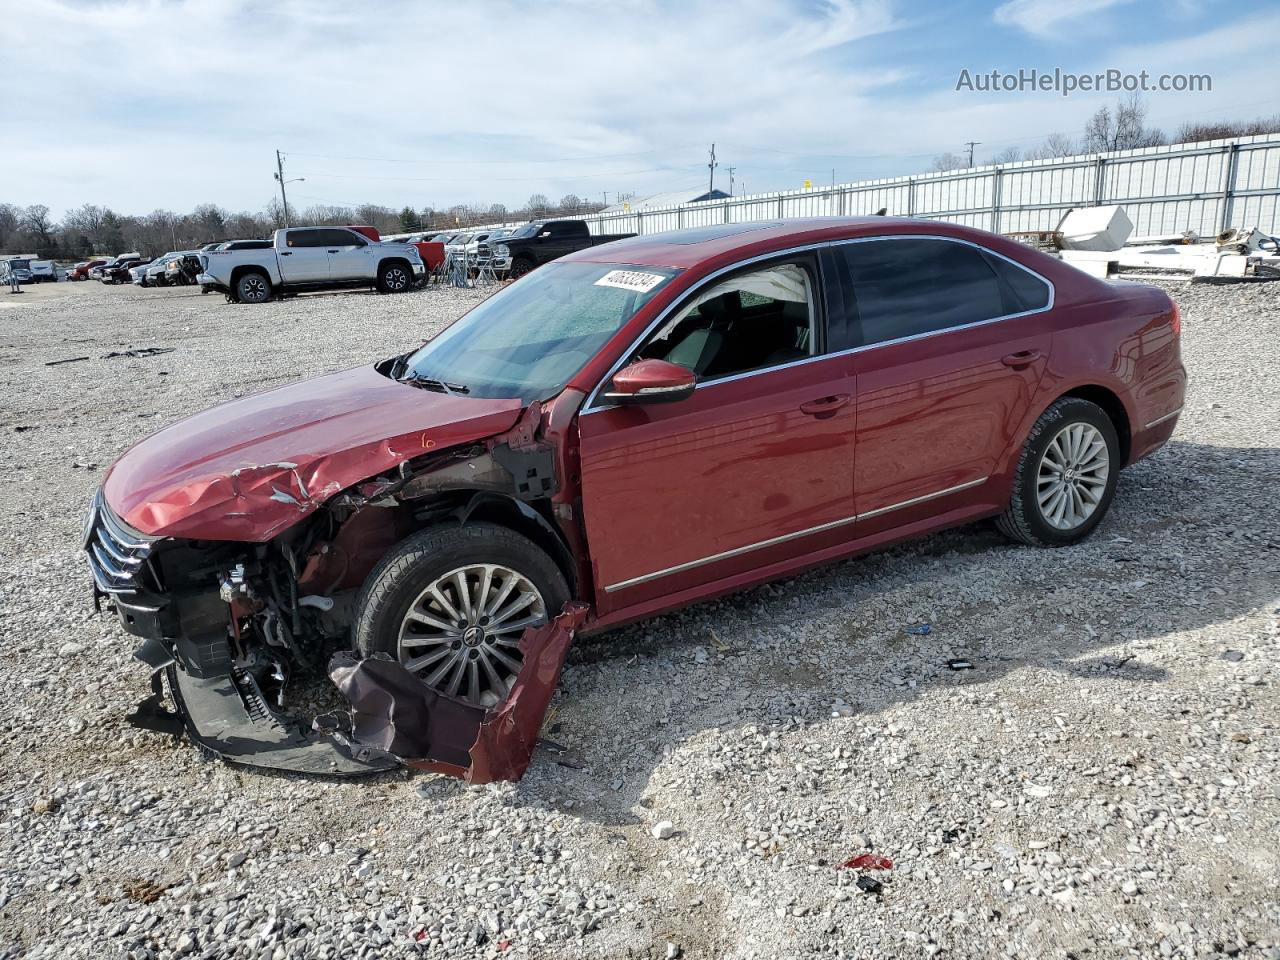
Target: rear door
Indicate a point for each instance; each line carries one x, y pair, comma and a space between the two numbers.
949, 345
563, 238
305, 258
753, 469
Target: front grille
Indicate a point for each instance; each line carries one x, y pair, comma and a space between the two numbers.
118, 554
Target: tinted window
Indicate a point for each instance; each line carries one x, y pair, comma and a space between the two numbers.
751, 321
1021, 288
905, 287
321, 238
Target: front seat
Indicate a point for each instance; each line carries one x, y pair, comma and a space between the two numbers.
697, 349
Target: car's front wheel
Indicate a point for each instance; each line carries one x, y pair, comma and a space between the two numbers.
451, 603
1066, 476
394, 278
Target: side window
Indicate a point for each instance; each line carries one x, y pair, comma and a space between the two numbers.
1022, 289
904, 287
752, 321
340, 238
304, 238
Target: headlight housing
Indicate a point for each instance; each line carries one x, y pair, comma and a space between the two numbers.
502, 250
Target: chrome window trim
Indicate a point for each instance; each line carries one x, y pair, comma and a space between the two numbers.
594, 405
774, 541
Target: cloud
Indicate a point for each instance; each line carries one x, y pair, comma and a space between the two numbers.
1045, 17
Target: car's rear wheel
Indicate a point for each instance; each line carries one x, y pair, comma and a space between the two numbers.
451, 603
1066, 476
520, 267
394, 278
253, 287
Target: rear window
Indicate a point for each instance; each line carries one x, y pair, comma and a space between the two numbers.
1022, 289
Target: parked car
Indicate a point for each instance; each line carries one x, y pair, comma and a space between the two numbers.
630, 429
19, 267
432, 252
184, 269
485, 251
542, 241
119, 272
155, 273
97, 273
44, 271
81, 270
312, 258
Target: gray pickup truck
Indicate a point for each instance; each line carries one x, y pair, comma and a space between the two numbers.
300, 259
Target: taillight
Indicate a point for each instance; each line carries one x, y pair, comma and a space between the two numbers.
1175, 320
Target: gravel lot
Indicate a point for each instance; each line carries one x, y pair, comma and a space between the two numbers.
1104, 782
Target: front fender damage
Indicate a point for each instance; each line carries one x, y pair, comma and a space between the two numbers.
394, 713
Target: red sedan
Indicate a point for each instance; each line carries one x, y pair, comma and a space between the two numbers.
634, 427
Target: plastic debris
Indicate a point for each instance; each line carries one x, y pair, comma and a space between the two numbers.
54, 363
868, 861
137, 352
869, 885
960, 664
921, 631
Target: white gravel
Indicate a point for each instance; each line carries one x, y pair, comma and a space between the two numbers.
1103, 782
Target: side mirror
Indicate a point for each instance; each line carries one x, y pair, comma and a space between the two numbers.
543, 234
651, 381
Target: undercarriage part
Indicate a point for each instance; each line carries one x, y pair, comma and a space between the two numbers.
228, 716
395, 713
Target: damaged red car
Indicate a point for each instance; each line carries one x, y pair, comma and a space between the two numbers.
634, 427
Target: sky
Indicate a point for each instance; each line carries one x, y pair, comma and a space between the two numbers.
164, 104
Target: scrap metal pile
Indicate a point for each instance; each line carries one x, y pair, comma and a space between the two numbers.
1099, 241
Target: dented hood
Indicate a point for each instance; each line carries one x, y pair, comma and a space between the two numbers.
249, 469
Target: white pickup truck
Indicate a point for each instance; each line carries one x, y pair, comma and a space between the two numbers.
312, 258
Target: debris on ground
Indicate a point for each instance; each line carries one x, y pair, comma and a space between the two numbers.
869, 885
960, 663
54, 363
138, 352
663, 830
868, 861
921, 631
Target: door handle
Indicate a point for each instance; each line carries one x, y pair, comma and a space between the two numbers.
331, 251
286, 253
1024, 358
826, 407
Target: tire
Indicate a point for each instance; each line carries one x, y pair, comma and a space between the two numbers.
1033, 515
521, 266
253, 286
434, 557
395, 277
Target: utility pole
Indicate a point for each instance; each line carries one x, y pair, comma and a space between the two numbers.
605, 195
712, 167
284, 201
971, 144
731, 170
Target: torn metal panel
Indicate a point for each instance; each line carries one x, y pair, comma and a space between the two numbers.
394, 711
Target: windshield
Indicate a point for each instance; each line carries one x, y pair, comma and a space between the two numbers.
527, 341
528, 230
19, 264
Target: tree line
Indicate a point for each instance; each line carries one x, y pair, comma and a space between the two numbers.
1122, 127
92, 230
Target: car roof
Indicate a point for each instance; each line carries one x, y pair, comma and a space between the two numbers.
695, 245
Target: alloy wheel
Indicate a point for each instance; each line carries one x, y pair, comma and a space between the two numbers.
253, 288
461, 634
1072, 476
396, 279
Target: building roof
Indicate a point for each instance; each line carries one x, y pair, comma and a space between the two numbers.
672, 198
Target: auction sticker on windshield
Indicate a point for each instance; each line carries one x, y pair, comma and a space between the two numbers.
637, 280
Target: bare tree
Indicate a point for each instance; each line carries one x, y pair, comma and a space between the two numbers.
1007, 155
1055, 145
949, 161
35, 221
570, 203
538, 204
1123, 129
1225, 129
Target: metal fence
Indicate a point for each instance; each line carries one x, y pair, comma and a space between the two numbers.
1205, 187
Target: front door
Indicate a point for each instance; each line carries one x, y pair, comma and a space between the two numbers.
951, 349
755, 468
350, 257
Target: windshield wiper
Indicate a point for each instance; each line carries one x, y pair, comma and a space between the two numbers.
430, 383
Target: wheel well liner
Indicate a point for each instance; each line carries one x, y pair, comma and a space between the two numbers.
240, 271
1114, 408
